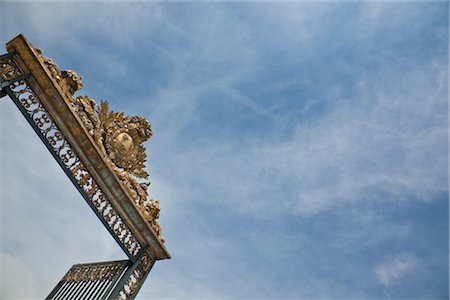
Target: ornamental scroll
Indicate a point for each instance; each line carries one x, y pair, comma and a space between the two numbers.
118, 137
94, 272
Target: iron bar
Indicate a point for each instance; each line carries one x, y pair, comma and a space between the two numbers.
103, 286
114, 280
89, 281
58, 291
81, 289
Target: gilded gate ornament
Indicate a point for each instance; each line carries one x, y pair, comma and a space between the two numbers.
93, 272
118, 137
102, 153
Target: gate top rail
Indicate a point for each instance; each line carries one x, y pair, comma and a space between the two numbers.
107, 168
94, 281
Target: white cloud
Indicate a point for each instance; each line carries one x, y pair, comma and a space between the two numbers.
390, 139
396, 267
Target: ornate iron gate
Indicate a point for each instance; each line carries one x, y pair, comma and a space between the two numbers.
74, 130
89, 281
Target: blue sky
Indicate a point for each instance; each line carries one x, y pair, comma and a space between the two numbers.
300, 150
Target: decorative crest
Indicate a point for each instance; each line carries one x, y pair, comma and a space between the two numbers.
118, 137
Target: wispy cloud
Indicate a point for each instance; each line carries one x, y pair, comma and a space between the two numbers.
395, 267
294, 143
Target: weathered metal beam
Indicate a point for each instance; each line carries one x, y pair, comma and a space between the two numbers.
56, 106
29, 79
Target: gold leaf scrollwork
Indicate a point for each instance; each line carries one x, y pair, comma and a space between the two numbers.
119, 138
93, 272
8, 69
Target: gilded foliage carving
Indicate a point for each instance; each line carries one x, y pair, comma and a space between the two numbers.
119, 138
8, 69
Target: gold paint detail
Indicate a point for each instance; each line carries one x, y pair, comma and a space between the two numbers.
69, 81
94, 272
119, 138
133, 281
145, 263
63, 150
8, 69
131, 285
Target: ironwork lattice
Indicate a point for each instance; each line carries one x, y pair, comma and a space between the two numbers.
89, 281
24, 79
